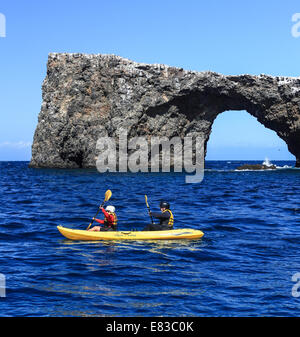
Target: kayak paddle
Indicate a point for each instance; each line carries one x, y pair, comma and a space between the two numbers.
106, 198
146, 199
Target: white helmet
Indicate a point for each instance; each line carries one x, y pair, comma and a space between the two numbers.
110, 209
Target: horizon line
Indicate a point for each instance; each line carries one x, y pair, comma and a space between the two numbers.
1, 161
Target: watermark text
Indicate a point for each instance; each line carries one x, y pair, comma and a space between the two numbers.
296, 286
2, 285
296, 27
2, 25
152, 154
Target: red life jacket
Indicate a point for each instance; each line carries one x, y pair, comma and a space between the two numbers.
111, 223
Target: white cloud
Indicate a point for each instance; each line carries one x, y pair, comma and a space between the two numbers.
16, 145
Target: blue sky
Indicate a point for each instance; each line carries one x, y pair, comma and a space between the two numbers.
230, 37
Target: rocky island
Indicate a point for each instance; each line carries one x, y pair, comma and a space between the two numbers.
254, 167
89, 96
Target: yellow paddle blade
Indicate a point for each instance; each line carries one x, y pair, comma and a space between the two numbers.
107, 195
146, 199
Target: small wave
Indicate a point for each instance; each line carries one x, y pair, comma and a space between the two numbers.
285, 167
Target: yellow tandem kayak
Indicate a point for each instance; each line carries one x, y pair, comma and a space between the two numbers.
174, 234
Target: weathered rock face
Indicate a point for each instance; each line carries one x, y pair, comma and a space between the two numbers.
89, 96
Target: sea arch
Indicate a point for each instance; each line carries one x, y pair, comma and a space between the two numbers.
89, 96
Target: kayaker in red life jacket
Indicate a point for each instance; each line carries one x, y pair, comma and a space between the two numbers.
166, 218
109, 222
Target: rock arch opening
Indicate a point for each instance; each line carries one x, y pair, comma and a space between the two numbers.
236, 135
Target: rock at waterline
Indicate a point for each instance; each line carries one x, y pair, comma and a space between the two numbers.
256, 167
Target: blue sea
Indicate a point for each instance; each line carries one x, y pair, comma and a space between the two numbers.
243, 266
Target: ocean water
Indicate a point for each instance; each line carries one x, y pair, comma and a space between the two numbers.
243, 266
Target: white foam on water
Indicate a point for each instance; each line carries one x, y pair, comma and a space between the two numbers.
267, 162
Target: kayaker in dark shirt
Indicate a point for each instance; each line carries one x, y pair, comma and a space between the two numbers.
166, 218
